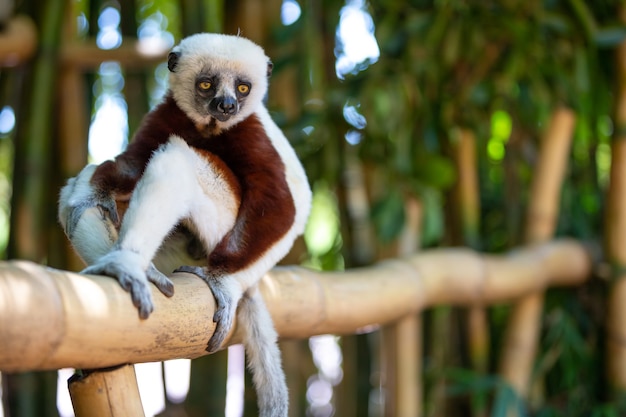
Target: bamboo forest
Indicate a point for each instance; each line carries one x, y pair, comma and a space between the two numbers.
466, 244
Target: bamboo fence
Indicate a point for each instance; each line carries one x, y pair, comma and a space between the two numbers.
51, 319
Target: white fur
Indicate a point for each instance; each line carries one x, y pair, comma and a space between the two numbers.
93, 236
94, 233
232, 57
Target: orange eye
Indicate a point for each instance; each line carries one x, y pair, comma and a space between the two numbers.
243, 88
204, 85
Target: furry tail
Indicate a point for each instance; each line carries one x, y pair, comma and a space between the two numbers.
263, 355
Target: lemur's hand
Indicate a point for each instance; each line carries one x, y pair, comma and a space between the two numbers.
78, 195
130, 271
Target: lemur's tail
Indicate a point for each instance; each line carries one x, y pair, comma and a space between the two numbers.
263, 355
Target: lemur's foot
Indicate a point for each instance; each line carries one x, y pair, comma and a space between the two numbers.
126, 267
225, 304
160, 280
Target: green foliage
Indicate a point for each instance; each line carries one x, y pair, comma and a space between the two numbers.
474, 386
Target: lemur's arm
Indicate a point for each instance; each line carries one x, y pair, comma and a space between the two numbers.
267, 209
100, 186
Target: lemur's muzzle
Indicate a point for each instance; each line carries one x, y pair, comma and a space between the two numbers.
222, 108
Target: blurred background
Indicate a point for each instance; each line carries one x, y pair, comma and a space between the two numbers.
384, 102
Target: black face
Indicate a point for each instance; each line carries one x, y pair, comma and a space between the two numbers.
220, 100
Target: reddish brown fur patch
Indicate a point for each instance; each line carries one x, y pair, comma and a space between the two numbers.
267, 208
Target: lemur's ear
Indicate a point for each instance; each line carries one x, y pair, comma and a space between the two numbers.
270, 67
172, 60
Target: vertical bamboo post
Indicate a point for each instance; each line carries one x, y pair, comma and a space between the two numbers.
106, 393
354, 391
73, 119
615, 232
469, 207
521, 338
402, 341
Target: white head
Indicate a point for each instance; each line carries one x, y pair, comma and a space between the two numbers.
218, 80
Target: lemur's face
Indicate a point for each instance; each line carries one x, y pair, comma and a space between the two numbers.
218, 80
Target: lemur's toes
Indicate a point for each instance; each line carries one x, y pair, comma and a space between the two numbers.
225, 306
109, 206
142, 298
196, 270
162, 282
124, 267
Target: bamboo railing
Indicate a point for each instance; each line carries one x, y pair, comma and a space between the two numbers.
51, 319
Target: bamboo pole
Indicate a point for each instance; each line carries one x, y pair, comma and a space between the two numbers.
85, 55
73, 118
521, 339
51, 319
402, 340
615, 232
106, 393
469, 207
478, 335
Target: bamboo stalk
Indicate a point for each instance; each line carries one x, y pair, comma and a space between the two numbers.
469, 206
615, 232
616, 227
72, 143
522, 335
106, 393
478, 335
401, 340
51, 319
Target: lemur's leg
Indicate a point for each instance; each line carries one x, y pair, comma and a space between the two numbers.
87, 221
169, 191
91, 224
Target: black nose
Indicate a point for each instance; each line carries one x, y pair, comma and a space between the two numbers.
227, 105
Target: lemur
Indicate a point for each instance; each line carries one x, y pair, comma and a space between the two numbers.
209, 185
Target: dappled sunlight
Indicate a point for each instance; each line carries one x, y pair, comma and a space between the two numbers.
89, 296
7, 120
355, 35
21, 288
109, 36
177, 372
153, 40
235, 383
108, 131
320, 387
64, 402
290, 12
150, 382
